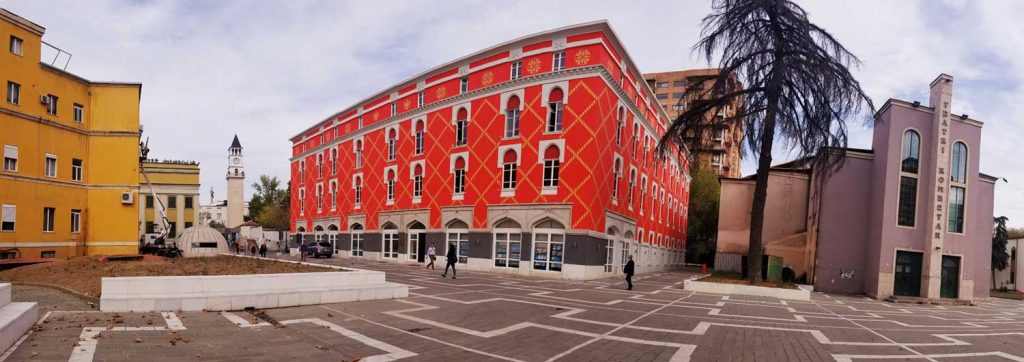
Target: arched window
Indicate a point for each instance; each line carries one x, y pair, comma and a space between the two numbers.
334, 195
319, 198
508, 237
390, 240
302, 201
358, 186
359, 153
319, 166
957, 188
620, 123
616, 173
512, 117
334, 161
461, 125
332, 237
909, 163
636, 138
391, 187
357, 239
548, 245
417, 182
459, 181
300, 229
318, 233
420, 129
551, 166
417, 235
458, 238
555, 105
609, 250
632, 184
643, 192
392, 144
302, 172
509, 168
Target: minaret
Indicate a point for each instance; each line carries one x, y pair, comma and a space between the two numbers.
236, 184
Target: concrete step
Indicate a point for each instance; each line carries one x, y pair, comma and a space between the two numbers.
16, 319
5, 293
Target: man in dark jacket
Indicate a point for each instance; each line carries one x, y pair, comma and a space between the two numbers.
452, 259
263, 250
628, 270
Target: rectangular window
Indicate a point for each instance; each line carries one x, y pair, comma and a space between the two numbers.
359, 194
678, 83
550, 173
460, 181
507, 249
609, 251
417, 186
907, 209
677, 95
48, 213
149, 202
7, 217
78, 113
76, 170
662, 85
16, 44
334, 196
76, 220
419, 99
13, 92
172, 201
51, 166
677, 107
463, 85
554, 117
188, 202
189, 224
10, 158
51, 104
517, 67
391, 190
47, 254
547, 251
956, 209
558, 62
460, 132
419, 142
394, 108
508, 177
662, 95
512, 123
716, 159
392, 148
357, 244
150, 227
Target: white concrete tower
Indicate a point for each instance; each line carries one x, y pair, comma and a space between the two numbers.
236, 184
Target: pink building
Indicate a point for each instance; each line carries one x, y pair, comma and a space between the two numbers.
910, 217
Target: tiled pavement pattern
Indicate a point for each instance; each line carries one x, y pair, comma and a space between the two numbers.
484, 317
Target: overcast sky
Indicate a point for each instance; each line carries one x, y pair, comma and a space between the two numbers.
266, 70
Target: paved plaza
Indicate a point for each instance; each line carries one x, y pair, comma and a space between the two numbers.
484, 317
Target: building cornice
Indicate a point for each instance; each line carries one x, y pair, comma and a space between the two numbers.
72, 184
55, 124
22, 22
892, 102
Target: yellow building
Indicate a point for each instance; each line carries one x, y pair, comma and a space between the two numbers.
176, 185
70, 155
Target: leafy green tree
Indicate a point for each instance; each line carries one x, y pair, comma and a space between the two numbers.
273, 217
1000, 259
797, 86
269, 204
702, 216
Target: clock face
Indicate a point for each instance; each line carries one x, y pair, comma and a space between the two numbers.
235, 161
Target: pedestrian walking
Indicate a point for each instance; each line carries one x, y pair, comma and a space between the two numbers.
253, 249
628, 270
302, 251
432, 255
263, 250
451, 260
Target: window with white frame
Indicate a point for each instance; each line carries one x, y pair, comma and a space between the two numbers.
359, 153
419, 99
48, 215
512, 117
509, 170
551, 167
716, 159
463, 85
558, 61
51, 104
51, 165
392, 144
7, 217
13, 92
419, 137
302, 172
555, 108
508, 244
458, 237
78, 113
76, 170
302, 202
609, 251
632, 184
620, 123
334, 161
76, 220
957, 188
417, 182
548, 246
643, 192
391, 187
909, 162
636, 138
390, 242
459, 181
517, 67
10, 158
616, 173
357, 240
394, 108
16, 45
334, 195
461, 125
319, 198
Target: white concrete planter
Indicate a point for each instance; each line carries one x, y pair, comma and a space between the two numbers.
237, 292
740, 289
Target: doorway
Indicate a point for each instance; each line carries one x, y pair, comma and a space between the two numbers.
907, 274
950, 287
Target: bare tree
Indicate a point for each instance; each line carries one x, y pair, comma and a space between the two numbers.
797, 86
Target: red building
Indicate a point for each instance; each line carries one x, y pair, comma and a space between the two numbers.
534, 156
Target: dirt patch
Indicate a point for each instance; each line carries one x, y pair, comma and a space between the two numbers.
83, 274
734, 278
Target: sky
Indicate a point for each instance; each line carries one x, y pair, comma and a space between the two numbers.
266, 70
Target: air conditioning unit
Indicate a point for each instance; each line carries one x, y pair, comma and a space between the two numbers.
127, 198
44, 100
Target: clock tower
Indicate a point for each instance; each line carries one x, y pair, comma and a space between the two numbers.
236, 184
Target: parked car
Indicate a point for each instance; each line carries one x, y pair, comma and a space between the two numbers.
318, 249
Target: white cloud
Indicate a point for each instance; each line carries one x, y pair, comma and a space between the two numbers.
267, 70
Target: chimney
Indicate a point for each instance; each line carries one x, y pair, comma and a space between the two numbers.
942, 84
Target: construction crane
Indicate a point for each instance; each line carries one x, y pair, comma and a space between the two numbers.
159, 245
